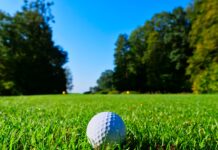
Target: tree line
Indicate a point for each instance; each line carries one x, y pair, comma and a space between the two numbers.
30, 62
172, 52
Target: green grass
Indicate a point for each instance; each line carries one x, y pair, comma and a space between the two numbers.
152, 121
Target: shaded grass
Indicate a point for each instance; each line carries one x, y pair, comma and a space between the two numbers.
152, 121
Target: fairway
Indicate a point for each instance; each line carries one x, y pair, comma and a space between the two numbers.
152, 121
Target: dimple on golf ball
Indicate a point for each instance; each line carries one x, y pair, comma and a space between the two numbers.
106, 128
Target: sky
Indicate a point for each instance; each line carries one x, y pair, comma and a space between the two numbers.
88, 30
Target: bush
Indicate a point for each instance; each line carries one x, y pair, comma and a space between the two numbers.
102, 92
113, 92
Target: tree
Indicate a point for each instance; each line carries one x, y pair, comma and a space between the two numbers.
136, 65
121, 74
177, 40
154, 57
173, 29
7, 85
204, 39
69, 79
153, 60
105, 82
35, 62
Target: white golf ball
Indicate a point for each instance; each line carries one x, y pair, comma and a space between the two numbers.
106, 128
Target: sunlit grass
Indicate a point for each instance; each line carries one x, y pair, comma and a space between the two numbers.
152, 121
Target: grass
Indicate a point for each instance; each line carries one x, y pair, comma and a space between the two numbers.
152, 121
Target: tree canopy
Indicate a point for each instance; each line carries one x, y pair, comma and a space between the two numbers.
31, 63
154, 57
105, 82
203, 65
172, 52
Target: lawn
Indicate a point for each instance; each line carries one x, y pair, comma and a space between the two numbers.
181, 121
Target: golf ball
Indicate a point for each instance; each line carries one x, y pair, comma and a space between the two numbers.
105, 128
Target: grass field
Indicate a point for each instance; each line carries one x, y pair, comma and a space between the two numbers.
152, 121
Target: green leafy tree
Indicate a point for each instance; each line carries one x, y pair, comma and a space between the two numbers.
173, 29
35, 62
154, 57
105, 82
204, 39
7, 85
121, 74
136, 65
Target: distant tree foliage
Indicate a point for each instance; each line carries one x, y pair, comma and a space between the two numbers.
173, 52
154, 57
203, 65
105, 82
121, 73
30, 61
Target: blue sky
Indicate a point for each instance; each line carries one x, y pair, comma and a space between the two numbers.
88, 29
